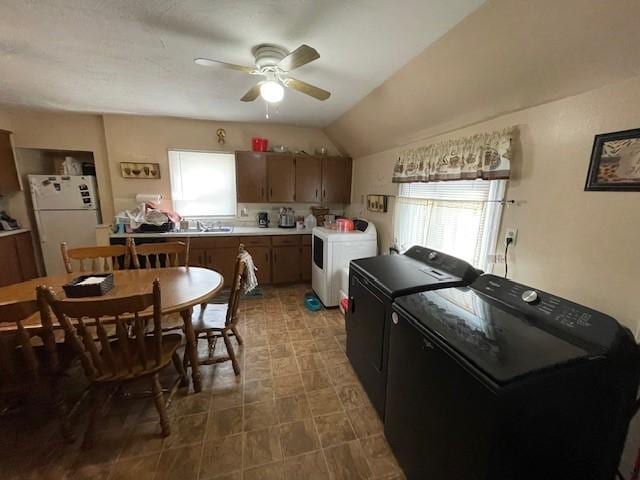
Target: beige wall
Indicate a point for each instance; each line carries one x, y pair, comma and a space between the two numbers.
507, 55
147, 139
63, 131
580, 245
120, 138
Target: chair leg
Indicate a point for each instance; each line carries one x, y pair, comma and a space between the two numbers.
97, 402
177, 363
61, 411
158, 398
231, 352
237, 335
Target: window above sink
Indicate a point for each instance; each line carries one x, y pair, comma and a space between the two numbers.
203, 184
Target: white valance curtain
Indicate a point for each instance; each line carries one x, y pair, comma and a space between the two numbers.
486, 156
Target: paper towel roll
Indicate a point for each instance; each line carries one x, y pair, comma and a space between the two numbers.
153, 198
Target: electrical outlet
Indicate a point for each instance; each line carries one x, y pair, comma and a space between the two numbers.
511, 233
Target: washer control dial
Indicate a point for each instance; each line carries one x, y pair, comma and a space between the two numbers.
530, 296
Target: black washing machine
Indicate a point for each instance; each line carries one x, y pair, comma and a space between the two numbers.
498, 381
373, 284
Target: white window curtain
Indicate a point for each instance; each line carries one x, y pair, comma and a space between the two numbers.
461, 218
203, 183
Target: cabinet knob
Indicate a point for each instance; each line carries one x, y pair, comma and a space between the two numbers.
394, 318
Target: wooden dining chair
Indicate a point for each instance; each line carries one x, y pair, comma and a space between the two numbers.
104, 258
29, 365
221, 320
133, 354
157, 255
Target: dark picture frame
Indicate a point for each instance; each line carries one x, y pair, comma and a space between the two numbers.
615, 162
377, 203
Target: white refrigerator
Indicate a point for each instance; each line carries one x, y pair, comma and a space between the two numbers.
66, 210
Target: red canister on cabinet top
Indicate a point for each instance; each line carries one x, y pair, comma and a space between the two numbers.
259, 144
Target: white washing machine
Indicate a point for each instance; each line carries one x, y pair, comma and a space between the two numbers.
332, 252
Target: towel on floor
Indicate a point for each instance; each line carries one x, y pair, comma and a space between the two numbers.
250, 280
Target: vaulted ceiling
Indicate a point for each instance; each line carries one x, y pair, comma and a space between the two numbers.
137, 56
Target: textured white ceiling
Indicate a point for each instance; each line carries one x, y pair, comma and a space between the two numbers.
134, 56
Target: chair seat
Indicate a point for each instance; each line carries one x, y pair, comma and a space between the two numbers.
23, 380
212, 319
120, 371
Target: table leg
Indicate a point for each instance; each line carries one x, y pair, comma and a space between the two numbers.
192, 350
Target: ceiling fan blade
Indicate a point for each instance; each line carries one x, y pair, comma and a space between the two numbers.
306, 88
252, 94
300, 56
215, 63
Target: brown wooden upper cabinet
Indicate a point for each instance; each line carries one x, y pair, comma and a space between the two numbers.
308, 179
281, 176
336, 180
251, 177
9, 181
286, 178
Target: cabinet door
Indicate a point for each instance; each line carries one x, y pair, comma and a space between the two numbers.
251, 177
262, 260
281, 178
197, 257
305, 263
308, 179
9, 263
286, 264
24, 249
9, 178
223, 261
336, 180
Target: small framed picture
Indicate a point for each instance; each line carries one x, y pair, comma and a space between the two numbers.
377, 203
615, 162
140, 170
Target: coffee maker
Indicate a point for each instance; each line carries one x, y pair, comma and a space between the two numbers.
263, 219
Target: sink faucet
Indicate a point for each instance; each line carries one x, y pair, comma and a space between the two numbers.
201, 226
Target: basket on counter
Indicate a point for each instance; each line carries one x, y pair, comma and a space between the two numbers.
319, 213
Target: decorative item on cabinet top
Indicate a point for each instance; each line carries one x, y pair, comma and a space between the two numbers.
140, 170
377, 203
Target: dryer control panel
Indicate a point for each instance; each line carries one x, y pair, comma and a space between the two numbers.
563, 316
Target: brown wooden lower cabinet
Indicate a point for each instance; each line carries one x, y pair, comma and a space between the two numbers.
305, 263
262, 260
17, 259
286, 264
279, 258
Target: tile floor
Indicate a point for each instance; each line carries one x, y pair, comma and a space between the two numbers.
297, 411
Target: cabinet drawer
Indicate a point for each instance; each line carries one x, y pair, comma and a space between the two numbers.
256, 241
286, 240
306, 239
219, 242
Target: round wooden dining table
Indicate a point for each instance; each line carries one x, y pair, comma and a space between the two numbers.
182, 289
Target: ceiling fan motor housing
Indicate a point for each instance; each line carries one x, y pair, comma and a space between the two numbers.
268, 55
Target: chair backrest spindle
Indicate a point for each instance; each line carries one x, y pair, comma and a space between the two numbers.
127, 351
151, 253
104, 258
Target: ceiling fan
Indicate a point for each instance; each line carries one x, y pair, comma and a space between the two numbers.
275, 63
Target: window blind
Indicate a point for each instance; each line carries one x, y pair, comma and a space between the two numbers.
203, 183
460, 218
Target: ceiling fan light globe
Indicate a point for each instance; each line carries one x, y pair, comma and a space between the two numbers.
271, 91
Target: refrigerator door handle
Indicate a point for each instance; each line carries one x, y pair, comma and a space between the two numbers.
41, 231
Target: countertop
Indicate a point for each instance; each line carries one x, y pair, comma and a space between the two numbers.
236, 232
6, 233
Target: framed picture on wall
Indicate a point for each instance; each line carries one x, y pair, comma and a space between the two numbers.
377, 203
140, 170
615, 162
